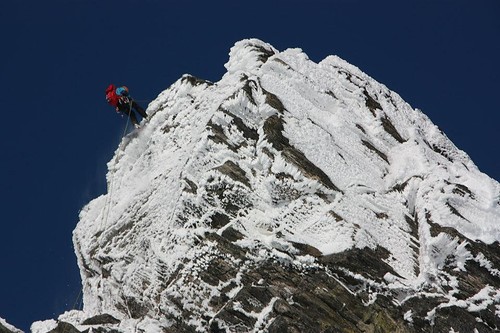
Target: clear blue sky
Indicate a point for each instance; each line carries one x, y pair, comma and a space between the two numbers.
57, 57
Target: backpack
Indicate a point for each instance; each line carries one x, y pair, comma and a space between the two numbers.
111, 96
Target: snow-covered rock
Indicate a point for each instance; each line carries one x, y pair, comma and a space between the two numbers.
290, 196
5, 327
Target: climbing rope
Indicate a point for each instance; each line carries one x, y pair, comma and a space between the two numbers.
78, 300
106, 209
104, 220
79, 297
107, 204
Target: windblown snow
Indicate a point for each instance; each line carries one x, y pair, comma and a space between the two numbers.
284, 151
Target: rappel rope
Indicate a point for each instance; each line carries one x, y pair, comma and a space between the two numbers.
106, 209
79, 297
107, 204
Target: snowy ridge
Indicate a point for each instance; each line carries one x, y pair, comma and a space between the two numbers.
291, 162
8, 328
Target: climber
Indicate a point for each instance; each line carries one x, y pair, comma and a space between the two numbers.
120, 99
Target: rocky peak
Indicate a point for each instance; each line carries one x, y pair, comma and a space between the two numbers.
248, 55
290, 196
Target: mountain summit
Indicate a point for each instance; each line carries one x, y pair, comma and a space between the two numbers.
290, 196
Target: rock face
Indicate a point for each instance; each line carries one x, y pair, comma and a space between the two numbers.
290, 196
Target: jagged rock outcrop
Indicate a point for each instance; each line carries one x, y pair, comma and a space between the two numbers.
289, 196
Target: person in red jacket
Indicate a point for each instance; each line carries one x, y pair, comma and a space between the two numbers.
120, 99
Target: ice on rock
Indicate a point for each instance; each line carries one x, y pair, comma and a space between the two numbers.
285, 163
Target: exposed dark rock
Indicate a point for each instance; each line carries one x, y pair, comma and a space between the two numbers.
371, 103
419, 307
309, 169
227, 246
231, 169
282, 175
264, 53
284, 191
247, 132
375, 150
135, 308
413, 223
389, 128
231, 197
218, 220
191, 186
105, 330
320, 304
247, 88
365, 261
331, 93
274, 101
304, 300
414, 244
474, 279
455, 211
382, 216
490, 251
254, 297
219, 136
237, 320
179, 327
436, 229
490, 317
307, 249
232, 234
400, 187
100, 320
273, 129
336, 216
278, 60
350, 77
461, 190
167, 128
219, 269
459, 320
361, 128
441, 151
194, 81
63, 327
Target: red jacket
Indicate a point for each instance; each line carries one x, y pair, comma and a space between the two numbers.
111, 96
